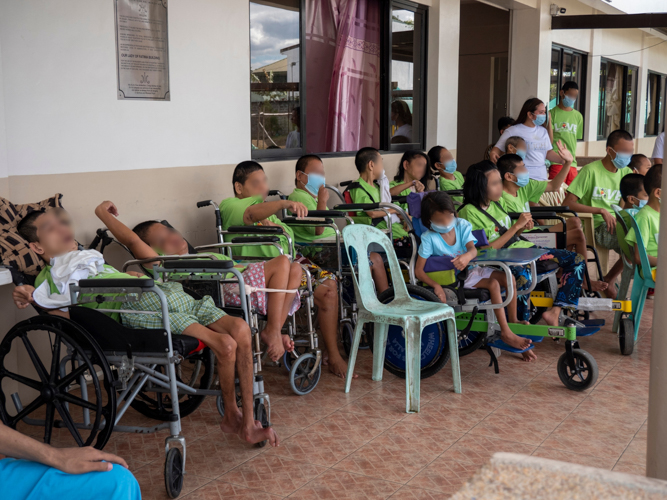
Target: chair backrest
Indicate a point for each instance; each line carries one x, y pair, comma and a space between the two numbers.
359, 237
553, 198
645, 266
622, 227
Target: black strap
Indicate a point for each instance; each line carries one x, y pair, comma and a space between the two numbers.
357, 185
501, 229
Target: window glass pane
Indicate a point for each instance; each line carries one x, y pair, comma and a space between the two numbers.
602, 100
629, 98
274, 75
404, 115
343, 48
554, 82
577, 76
653, 97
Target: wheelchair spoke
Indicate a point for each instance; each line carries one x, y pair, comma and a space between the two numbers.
41, 371
55, 359
48, 422
67, 419
71, 398
34, 384
39, 400
67, 379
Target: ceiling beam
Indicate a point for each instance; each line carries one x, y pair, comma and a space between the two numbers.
609, 21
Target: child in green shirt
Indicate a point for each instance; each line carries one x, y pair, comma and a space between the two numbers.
371, 169
413, 175
450, 178
597, 188
648, 218
152, 239
567, 122
633, 194
229, 338
639, 164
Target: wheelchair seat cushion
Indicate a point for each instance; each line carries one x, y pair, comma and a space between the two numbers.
14, 250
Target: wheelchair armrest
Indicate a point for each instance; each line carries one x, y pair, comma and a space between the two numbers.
255, 229
454, 192
560, 209
399, 199
198, 265
326, 213
357, 207
541, 214
276, 192
117, 283
293, 221
256, 239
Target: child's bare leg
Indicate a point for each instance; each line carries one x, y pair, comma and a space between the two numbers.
378, 273
507, 336
276, 275
551, 316
326, 300
610, 279
576, 240
511, 307
224, 348
238, 331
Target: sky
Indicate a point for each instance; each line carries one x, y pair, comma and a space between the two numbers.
271, 29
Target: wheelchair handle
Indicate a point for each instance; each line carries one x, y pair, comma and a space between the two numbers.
550, 209
255, 229
454, 192
357, 207
399, 199
276, 192
542, 215
345, 183
205, 203
326, 213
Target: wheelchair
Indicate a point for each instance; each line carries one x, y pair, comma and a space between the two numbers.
97, 368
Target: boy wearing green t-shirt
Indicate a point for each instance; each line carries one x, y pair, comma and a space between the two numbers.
50, 237
597, 188
648, 218
567, 122
369, 164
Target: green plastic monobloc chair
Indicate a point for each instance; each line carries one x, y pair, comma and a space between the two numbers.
404, 311
623, 225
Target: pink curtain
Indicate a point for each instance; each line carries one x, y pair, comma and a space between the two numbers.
343, 64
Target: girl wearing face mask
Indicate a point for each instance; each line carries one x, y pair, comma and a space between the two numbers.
452, 237
532, 126
413, 175
450, 178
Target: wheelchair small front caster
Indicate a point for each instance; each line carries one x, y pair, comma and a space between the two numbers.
173, 472
263, 416
584, 374
300, 376
626, 336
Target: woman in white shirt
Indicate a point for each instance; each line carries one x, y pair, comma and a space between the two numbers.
532, 126
401, 116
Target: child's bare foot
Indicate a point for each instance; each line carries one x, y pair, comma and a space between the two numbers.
550, 317
339, 367
513, 340
256, 434
597, 286
274, 344
232, 422
529, 356
288, 343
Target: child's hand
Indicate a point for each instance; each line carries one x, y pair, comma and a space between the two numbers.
523, 220
564, 153
22, 296
530, 225
609, 219
323, 194
298, 209
437, 289
418, 186
461, 261
107, 207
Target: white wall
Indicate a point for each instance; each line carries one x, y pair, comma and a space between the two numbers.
3, 134
62, 114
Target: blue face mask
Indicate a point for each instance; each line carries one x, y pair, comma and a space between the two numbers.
622, 160
442, 229
642, 204
522, 179
450, 166
315, 182
521, 153
568, 102
540, 119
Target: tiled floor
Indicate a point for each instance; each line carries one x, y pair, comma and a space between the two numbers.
363, 445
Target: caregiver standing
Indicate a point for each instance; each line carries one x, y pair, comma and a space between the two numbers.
532, 126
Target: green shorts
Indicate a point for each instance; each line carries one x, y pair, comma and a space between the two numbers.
605, 239
183, 310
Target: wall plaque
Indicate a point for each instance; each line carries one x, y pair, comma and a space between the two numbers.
142, 49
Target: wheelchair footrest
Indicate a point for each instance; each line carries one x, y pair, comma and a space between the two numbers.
499, 344
593, 322
591, 326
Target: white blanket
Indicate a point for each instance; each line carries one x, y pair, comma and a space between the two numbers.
385, 196
66, 269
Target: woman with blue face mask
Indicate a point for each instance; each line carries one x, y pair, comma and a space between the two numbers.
532, 126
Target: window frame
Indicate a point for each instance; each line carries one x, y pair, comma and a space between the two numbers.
581, 100
385, 146
624, 91
663, 94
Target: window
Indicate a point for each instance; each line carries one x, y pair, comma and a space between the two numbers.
617, 98
567, 65
335, 76
656, 96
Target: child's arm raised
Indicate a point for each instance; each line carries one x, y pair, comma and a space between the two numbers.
566, 157
107, 213
421, 275
260, 211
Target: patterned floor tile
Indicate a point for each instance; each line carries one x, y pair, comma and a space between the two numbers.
445, 476
273, 474
414, 493
345, 486
576, 458
219, 490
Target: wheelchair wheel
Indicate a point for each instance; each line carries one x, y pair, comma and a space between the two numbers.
434, 346
173, 472
577, 315
262, 415
197, 371
290, 357
584, 374
470, 342
300, 377
220, 404
626, 336
66, 378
